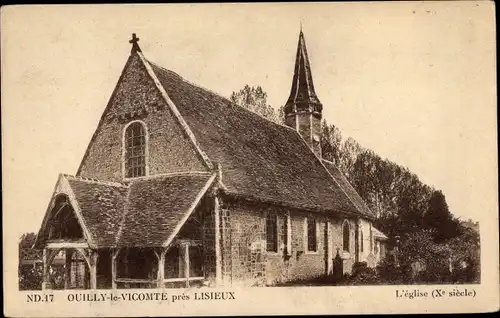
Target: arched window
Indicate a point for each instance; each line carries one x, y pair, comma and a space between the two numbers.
345, 236
362, 239
135, 150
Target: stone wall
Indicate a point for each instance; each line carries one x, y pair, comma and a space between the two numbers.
251, 264
137, 98
208, 238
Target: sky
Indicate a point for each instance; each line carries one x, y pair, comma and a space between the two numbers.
415, 82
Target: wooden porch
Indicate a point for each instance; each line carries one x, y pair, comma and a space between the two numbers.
180, 264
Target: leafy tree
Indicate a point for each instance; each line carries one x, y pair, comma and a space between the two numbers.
255, 99
439, 218
405, 206
27, 240
29, 276
331, 142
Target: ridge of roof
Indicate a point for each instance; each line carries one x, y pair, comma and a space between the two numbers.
87, 179
217, 94
170, 174
173, 108
192, 108
123, 218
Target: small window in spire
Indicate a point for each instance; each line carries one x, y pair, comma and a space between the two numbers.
135, 150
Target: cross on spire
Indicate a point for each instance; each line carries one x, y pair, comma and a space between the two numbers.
135, 45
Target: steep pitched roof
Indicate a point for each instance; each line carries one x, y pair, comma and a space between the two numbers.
101, 205
260, 159
348, 189
302, 93
156, 208
144, 212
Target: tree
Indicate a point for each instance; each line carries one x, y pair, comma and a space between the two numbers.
29, 276
255, 99
331, 141
439, 218
27, 240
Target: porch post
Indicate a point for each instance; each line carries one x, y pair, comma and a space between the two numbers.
67, 272
93, 256
186, 263
161, 267
114, 255
45, 278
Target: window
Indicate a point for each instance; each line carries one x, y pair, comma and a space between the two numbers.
288, 235
345, 236
311, 235
271, 232
135, 150
371, 238
361, 238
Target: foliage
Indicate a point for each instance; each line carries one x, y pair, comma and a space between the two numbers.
362, 275
30, 277
430, 236
255, 99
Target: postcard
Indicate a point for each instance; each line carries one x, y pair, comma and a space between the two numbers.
249, 159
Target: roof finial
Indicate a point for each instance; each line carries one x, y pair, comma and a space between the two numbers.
301, 25
135, 45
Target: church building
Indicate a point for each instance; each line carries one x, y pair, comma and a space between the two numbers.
181, 187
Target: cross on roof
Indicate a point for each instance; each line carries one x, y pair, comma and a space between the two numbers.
135, 45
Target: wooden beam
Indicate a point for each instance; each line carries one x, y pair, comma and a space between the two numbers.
161, 267
45, 277
67, 271
135, 280
59, 245
186, 264
93, 256
114, 256
183, 279
188, 241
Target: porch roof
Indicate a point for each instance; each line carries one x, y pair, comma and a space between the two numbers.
378, 235
157, 208
144, 212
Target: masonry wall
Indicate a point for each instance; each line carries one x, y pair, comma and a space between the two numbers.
137, 98
308, 126
367, 253
250, 263
208, 238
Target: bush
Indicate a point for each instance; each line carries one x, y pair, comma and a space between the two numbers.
30, 277
362, 275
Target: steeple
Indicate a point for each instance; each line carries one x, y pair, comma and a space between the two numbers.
303, 108
302, 95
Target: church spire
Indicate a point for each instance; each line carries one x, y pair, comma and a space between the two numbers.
302, 95
303, 108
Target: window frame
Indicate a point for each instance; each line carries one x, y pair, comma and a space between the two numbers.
306, 235
361, 238
348, 247
272, 216
125, 158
